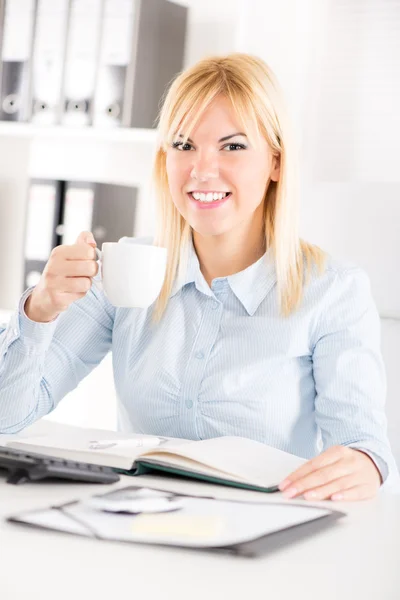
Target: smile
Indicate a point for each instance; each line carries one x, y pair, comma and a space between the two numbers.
209, 196
208, 200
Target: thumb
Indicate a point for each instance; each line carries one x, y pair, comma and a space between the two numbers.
87, 237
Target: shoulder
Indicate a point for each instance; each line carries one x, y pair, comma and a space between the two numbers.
341, 286
338, 273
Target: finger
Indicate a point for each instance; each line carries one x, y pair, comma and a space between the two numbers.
328, 457
72, 285
318, 478
78, 268
74, 252
86, 237
335, 486
358, 492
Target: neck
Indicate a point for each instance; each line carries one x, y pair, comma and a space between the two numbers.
226, 254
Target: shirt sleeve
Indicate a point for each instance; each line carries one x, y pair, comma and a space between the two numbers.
42, 362
349, 373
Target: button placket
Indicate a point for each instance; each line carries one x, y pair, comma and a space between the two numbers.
206, 337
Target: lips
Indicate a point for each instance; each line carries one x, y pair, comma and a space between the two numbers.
204, 205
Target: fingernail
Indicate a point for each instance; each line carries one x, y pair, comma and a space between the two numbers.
337, 497
290, 492
284, 484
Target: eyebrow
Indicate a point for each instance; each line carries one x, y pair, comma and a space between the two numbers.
223, 139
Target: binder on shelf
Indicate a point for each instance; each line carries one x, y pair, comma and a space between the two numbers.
18, 20
142, 49
48, 60
44, 210
107, 210
81, 61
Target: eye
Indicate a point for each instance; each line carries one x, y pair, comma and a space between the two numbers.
181, 146
233, 147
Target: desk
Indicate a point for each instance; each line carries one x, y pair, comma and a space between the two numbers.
357, 559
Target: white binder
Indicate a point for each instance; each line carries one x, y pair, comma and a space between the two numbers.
48, 60
115, 63
142, 49
16, 51
43, 214
82, 52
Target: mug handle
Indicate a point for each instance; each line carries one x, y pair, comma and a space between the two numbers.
99, 282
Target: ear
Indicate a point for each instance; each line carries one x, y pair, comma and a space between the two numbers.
275, 168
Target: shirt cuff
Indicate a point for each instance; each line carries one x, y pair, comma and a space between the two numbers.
30, 333
384, 462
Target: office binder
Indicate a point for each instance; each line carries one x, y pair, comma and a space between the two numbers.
15, 79
81, 61
142, 49
244, 528
107, 210
44, 209
48, 60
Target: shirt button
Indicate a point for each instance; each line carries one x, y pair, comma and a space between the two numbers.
189, 403
199, 355
215, 305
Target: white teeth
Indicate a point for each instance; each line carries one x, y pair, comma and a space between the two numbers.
209, 197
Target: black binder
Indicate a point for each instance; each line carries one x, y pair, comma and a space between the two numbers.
106, 209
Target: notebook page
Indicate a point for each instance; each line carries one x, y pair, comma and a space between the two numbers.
246, 460
107, 448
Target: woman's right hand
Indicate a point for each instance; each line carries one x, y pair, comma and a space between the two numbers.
65, 279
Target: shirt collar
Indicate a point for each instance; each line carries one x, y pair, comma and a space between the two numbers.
250, 286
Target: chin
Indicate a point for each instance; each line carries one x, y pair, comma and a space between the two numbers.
209, 230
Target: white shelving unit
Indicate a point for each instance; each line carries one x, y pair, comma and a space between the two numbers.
121, 155
116, 134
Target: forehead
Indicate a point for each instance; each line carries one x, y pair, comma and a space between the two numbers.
218, 118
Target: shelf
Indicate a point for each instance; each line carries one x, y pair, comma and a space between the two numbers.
112, 134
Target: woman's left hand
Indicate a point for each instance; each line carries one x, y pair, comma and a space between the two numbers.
339, 473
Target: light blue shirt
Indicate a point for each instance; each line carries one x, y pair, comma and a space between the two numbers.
222, 361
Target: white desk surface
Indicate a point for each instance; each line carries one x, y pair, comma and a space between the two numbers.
356, 559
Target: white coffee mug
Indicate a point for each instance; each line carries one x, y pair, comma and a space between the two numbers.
131, 275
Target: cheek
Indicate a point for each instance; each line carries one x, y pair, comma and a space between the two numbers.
175, 183
176, 174
250, 180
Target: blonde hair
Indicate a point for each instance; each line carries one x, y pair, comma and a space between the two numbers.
252, 88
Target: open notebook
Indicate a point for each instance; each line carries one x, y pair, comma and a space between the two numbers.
235, 461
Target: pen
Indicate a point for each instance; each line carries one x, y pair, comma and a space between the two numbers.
144, 442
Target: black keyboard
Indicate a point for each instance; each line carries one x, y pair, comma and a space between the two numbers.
27, 466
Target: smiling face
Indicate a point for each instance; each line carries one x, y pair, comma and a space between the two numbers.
218, 178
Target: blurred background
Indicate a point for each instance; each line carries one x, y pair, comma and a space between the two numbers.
80, 85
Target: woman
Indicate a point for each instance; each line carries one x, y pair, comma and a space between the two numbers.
255, 332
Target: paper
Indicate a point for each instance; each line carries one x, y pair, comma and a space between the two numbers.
239, 459
180, 525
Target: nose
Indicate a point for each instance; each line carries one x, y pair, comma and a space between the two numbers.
205, 168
